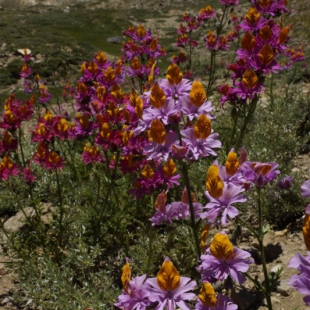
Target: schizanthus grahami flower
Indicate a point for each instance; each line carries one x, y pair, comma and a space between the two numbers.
222, 195
134, 294
209, 301
223, 259
169, 289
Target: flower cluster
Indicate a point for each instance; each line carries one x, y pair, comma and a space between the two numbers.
263, 42
15, 113
140, 53
168, 289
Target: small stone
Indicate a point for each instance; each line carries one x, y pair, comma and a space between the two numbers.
276, 268
275, 300
115, 40
5, 301
255, 244
281, 233
283, 288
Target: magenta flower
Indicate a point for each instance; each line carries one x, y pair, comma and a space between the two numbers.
8, 168
223, 259
301, 281
169, 289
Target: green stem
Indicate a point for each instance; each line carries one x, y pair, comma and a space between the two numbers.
247, 119
61, 208
191, 208
267, 291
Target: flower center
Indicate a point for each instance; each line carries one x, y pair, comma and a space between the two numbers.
207, 295
158, 132
174, 75
214, 183
232, 163
158, 97
168, 277
221, 247
202, 129
197, 94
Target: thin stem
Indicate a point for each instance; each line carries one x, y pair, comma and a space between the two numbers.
267, 290
61, 215
191, 208
247, 119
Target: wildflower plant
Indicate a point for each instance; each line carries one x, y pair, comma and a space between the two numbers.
135, 137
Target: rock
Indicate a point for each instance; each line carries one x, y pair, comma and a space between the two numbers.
275, 300
281, 233
5, 301
255, 244
276, 268
283, 288
1, 8
115, 40
16, 222
66, 11
38, 57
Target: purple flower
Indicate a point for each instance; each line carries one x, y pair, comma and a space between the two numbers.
209, 301
305, 189
135, 296
178, 210
301, 281
223, 259
169, 289
221, 196
260, 173
286, 182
